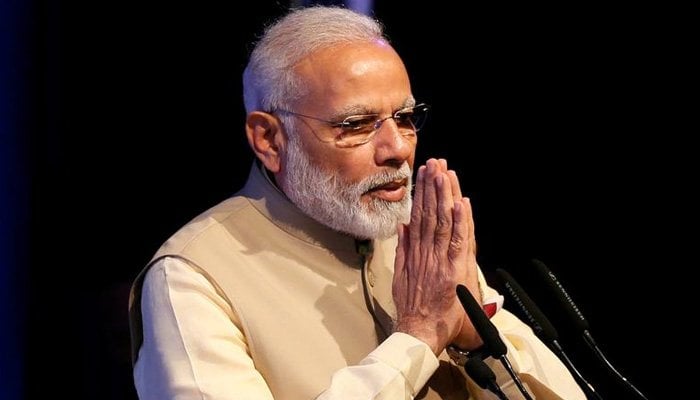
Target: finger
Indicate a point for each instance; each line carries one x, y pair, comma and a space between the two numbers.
470, 225
414, 247
471, 278
401, 246
418, 191
429, 205
454, 181
399, 282
417, 207
459, 244
443, 164
456, 189
444, 216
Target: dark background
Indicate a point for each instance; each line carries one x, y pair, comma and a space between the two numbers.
558, 121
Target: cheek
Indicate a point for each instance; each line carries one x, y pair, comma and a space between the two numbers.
362, 164
351, 165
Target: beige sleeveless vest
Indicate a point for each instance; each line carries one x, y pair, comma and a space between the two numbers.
310, 300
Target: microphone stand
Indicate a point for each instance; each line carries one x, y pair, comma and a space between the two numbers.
489, 334
544, 329
592, 344
576, 317
482, 374
585, 385
506, 363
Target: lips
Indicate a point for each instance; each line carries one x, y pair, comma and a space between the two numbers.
393, 185
390, 191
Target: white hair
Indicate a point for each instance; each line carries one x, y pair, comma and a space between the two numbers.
269, 82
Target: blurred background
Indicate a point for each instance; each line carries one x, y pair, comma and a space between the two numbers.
557, 120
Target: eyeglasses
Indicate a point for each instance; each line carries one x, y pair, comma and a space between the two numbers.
356, 130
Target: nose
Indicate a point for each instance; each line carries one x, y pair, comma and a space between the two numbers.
391, 146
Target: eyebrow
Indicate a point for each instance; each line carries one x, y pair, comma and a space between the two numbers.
361, 109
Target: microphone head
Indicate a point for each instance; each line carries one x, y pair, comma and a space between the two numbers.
477, 369
539, 323
482, 323
556, 288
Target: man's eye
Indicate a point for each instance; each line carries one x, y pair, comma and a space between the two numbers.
358, 123
404, 117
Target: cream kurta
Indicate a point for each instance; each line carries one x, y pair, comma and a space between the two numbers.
253, 299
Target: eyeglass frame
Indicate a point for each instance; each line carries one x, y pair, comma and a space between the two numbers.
377, 124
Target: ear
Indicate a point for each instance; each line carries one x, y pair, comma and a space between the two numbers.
265, 137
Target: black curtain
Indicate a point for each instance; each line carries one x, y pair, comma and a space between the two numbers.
126, 120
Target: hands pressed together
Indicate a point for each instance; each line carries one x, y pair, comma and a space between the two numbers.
436, 251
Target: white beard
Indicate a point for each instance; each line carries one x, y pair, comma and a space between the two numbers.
325, 197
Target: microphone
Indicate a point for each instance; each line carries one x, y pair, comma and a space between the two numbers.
577, 319
543, 329
483, 376
489, 334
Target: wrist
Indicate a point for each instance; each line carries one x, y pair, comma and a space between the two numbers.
420, 332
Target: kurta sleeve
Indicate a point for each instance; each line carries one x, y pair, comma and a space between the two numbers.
194, 348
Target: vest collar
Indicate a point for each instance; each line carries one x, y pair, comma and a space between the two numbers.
275, 205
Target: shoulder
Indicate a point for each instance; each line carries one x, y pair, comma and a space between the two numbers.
207, 223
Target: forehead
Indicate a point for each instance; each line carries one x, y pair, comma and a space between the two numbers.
369, 74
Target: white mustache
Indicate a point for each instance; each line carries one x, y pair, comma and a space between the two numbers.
385, 177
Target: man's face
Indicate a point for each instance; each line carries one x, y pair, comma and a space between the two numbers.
362, 190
